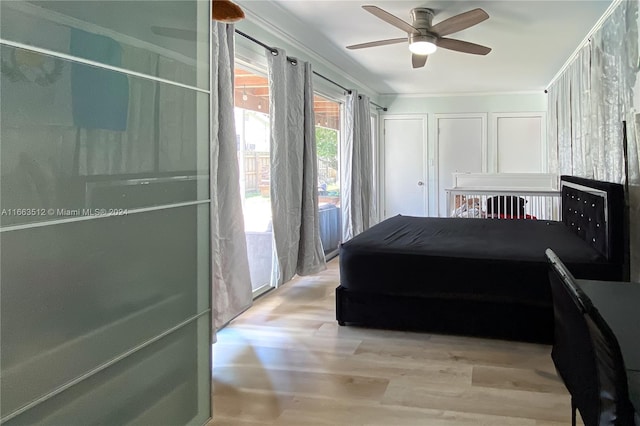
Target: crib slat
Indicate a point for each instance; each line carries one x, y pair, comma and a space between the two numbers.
477, 203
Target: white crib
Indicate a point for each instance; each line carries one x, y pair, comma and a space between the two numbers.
504, 196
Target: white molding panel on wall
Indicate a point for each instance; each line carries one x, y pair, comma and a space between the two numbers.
459, 140
518, 142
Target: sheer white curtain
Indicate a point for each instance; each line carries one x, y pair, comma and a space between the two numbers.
589, 101
587, 105
358, 204
294, 170
231, 282
614, 65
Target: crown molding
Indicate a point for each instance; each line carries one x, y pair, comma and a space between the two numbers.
459, 94
612, 7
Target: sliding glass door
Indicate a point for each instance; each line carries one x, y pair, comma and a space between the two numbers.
328, 132
253, 136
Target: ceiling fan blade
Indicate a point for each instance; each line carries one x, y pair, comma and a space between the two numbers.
460, 22
418, 61
463, 46
377, 43
174, 33
391, 19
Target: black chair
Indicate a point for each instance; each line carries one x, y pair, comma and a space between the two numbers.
586, 354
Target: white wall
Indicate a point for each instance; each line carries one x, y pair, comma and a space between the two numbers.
492, 105
516, 102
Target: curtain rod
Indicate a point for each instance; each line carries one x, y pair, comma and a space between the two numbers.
274, 51
378, 106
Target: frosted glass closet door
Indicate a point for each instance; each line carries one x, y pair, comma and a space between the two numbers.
104, 232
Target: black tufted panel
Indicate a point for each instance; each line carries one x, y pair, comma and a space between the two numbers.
584, 213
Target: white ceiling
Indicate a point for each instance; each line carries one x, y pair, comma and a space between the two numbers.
530, 41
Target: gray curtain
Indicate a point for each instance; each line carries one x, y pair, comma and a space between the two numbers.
358, 204
231, 281
294, 170
587, 105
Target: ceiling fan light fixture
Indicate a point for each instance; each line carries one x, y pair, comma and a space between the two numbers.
422, 44
422, 47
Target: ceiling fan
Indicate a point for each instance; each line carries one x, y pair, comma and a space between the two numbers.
424, 38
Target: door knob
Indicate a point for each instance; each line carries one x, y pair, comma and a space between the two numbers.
420, 183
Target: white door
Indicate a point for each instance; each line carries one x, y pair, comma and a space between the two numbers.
461, 147
404, 169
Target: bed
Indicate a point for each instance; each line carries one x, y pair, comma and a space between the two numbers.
480, 277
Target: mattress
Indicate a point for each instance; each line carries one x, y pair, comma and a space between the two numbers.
502, 260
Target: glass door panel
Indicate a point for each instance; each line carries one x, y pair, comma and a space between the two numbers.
327, 114
253, 136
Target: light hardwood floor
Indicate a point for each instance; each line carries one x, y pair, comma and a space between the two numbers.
287, 362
